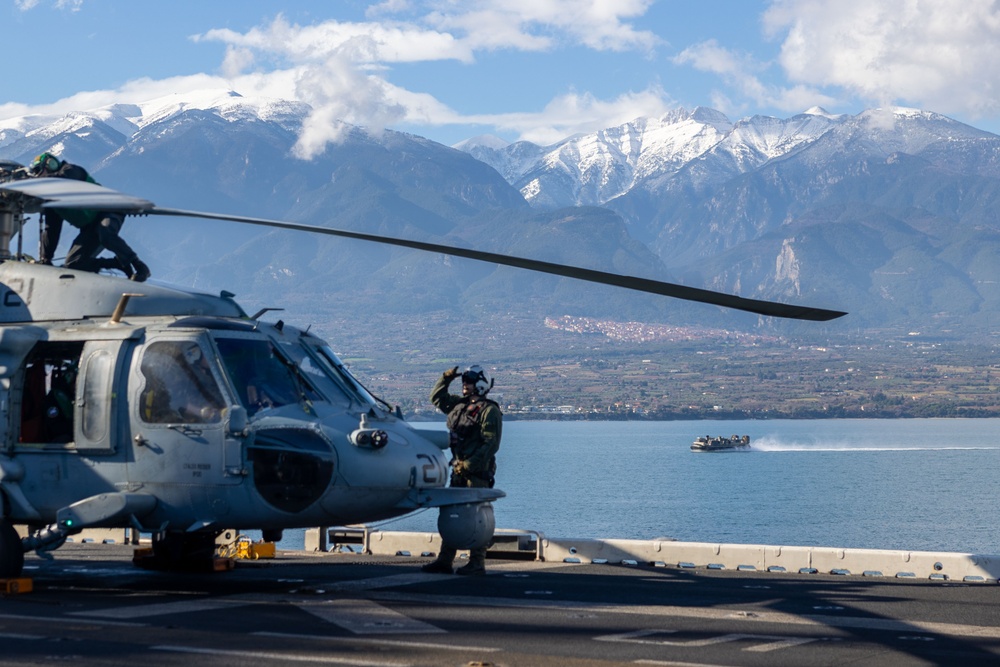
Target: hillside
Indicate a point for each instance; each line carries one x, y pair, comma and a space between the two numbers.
889, 214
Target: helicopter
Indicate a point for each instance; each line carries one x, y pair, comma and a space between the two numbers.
177, 414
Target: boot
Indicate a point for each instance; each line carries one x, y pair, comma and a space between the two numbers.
124, 267
477, 564
112, 264
442, 564
437, 567
141, 271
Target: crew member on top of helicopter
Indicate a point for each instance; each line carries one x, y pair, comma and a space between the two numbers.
475, 424
98, 229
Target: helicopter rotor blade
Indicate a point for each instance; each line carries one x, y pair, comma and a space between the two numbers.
759, 307
39, 194
47, 193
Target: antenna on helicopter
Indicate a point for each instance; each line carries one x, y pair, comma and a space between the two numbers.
259, 313
116, 316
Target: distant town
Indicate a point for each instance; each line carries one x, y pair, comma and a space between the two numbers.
566, 367
641, 332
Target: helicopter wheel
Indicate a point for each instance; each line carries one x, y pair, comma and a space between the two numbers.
11, 552
186, 552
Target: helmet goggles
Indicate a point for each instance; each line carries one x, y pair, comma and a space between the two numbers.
46, 163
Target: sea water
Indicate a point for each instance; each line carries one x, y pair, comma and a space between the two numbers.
916, 484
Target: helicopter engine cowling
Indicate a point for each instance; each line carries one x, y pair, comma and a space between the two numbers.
467, 526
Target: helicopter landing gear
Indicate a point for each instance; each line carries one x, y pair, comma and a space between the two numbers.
180, 552
11, 551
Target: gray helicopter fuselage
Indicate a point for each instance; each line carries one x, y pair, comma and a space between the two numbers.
186, 415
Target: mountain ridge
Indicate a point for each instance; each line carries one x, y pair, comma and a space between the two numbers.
890, 214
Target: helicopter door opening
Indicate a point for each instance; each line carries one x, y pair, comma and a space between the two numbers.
67, 396
49, 394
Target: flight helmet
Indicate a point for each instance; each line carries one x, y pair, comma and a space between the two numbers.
476, 376
46, 163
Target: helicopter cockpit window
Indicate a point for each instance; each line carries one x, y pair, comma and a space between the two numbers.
335, 367
262, 378
50, 392
319, 373
179, 386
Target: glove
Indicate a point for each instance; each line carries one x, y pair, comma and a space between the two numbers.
451, 374
461, 468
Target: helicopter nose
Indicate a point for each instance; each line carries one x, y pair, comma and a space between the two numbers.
292, 467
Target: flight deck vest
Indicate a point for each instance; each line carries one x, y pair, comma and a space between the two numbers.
464, 425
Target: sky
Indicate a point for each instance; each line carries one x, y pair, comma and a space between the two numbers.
536, 70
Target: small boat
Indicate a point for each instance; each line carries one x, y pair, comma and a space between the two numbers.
708, 443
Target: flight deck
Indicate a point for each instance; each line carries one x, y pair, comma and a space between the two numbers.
91, 605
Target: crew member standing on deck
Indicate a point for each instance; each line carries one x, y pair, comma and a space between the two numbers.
475, 424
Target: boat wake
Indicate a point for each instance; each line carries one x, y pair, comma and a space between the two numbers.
774, 444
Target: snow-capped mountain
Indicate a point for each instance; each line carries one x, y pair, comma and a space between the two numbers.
700, 149
767, 172
594, 168
889, 214
893, 211
127, 119
223, 153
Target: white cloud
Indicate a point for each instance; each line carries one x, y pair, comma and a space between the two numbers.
339, 93
365, 42
388, 7
136, 91
236, 61
339, 68
540, 24
937, 54
27, 5
574, 113
448, 30
335, 64
743, 73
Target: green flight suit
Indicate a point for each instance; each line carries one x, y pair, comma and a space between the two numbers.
475, 425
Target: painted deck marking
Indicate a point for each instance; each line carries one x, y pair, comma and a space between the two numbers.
15, 635
382, 642
364, 617
381, 582
159, 609
66, 619
750, 616
781, 642
280, 657
645, 637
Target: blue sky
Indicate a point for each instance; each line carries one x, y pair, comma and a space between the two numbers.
539, 70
